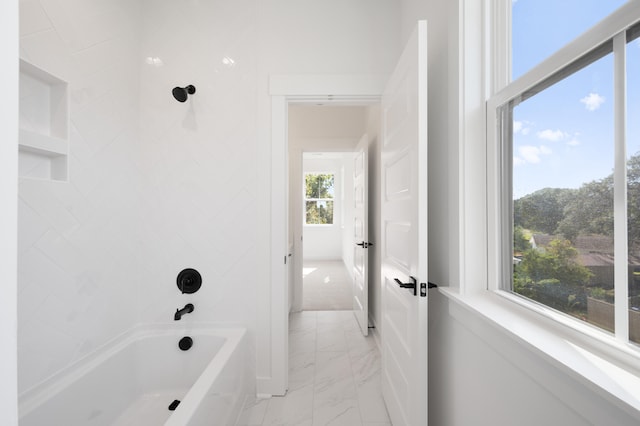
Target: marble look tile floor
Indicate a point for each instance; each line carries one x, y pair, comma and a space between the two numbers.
334, 376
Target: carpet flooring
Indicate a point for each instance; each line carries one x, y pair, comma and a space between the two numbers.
327, 286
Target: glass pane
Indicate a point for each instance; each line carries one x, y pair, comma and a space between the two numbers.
633, 189
541, 27
562, 141
319, 212
319, 186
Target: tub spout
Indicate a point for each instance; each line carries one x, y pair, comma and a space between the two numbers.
188, 308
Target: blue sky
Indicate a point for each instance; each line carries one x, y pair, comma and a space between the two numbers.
563, 137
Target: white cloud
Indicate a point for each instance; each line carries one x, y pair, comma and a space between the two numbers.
518, 161
552, 135
517, 126
521, 127
592, 101
531, 154
573, 142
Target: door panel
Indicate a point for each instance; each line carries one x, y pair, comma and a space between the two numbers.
398, 178
361, 236
404, 235
397, 248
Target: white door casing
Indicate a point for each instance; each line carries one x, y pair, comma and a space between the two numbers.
361, 235
404, 235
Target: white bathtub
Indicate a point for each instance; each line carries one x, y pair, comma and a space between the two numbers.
133, 380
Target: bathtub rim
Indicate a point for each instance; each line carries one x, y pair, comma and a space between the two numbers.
198, 391
32, 398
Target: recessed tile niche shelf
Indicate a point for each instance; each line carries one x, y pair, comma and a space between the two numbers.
44, 125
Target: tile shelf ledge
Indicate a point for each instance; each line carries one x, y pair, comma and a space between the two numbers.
37, 143
43, 144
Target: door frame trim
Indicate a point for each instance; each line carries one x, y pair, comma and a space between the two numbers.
361, 89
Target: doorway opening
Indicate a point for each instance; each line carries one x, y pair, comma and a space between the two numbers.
289, 91
322, 142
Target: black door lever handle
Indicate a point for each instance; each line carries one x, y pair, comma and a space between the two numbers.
412, 285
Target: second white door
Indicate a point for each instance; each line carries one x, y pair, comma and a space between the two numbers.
361, 236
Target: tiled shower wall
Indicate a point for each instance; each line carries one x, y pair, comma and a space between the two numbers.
156, 185
78, 240
200, 173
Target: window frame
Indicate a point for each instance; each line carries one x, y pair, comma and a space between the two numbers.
305, 199
499, 158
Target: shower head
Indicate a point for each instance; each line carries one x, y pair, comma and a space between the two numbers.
182, 93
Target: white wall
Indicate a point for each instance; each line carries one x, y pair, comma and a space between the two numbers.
8, 212
478, 374
79, 241
199, 168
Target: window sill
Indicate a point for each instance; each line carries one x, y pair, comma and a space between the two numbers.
609, 367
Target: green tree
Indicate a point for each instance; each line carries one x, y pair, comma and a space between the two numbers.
319, 191
319, 212
319, 185
553, 276
520, 241
633, 202
556, 261
542, 210
590, 210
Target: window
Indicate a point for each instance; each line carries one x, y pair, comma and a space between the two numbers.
540, 28
318, 198
633, 179
569, 201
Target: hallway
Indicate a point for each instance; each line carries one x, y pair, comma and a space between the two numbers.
334, 376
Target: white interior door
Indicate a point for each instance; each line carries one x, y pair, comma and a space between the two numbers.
404, 235
361, 236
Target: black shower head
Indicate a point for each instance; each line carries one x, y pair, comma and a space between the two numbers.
182, 93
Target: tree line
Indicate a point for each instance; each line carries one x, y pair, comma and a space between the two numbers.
587, 210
